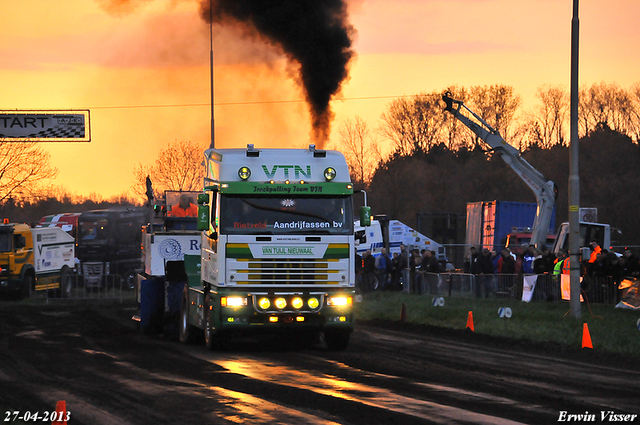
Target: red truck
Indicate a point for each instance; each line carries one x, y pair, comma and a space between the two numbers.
67, 221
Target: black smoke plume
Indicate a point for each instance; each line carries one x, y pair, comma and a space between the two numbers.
312, 33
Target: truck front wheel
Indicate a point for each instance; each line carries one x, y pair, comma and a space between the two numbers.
26, 287
129, 281
337, 340
209, 338
186, 329
66, 282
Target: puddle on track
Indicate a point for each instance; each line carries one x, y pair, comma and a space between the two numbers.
270, 371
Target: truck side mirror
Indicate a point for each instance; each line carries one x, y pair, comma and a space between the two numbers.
203, 211
365, 216
203, 198
203, 216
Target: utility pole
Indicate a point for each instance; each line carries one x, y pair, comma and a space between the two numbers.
574, 180
213, 134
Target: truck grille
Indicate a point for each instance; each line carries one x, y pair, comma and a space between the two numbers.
89, 269
287, 271
92, 273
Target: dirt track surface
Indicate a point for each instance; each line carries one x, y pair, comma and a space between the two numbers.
95, 359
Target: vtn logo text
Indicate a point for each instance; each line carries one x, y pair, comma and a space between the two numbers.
297, 171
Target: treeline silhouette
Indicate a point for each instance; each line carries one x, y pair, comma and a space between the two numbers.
31, 212
444, 181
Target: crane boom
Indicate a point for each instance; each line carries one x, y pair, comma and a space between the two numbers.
543, 188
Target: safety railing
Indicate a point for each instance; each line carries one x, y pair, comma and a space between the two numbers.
544, 287
108, 287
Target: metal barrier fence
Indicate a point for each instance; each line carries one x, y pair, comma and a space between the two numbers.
73, 287
548, 287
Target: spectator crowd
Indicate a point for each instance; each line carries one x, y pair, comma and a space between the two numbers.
407, 270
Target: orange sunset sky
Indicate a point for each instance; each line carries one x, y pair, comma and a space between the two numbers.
143, 70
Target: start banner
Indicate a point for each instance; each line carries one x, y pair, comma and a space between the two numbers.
45, 126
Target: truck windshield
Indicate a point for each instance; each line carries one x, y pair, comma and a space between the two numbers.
93, 230
283, 215
5, 242
588, 233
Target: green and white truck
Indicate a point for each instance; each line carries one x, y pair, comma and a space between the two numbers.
277, 247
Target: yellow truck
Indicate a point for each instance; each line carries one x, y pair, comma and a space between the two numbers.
36, 259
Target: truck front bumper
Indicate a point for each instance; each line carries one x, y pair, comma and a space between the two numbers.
264, 313
9, 285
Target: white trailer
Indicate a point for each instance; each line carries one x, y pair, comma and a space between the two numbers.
399, 234
53, 249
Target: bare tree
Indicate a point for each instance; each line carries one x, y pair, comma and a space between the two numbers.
455, 134
547, 124
605, 105
179, 167
634, 113
414, 125
360, 150
24, 171
497, 105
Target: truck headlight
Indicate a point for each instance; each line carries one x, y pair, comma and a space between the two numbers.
244, 173
281, 303
297, 303
233, 302
340, 301
329, 173
264, 303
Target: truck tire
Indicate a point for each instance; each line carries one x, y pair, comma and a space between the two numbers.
209, 337
186, 330
129, 281
337, 340
211, 340
26, 287
66, 282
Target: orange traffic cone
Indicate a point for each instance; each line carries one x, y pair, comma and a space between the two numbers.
61, 413
470, 321
586, 337
403, 313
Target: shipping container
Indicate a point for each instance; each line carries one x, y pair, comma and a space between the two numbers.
489, 222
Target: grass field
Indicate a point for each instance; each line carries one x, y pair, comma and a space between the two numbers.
611, 329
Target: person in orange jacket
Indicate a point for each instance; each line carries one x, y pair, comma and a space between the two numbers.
184, 209
595, 250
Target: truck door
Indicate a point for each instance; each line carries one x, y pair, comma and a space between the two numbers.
209, 241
